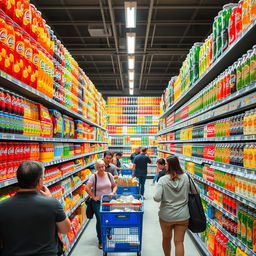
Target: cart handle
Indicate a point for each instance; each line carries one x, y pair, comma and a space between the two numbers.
106, 204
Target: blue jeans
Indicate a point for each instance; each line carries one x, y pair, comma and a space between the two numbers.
96, 209
142, 180
155, 178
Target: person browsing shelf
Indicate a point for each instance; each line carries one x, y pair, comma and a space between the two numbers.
160, 171
116, 161
107, 158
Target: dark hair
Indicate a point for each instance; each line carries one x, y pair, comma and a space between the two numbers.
144, 150
119, 154
174, 168
29, 173
161, 161
108, 153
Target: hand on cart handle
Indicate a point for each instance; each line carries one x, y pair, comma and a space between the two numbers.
95, 198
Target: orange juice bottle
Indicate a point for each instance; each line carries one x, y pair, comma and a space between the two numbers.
253, 10
246, 15
250, 122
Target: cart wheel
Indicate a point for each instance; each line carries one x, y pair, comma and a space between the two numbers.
105, 253
138, 253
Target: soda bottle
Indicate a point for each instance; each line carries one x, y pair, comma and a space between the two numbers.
3, 39
10, 152
19, 53
239, 81
9, 60
232, 26
27, 17
214, 39
246, 69
253, 64
245, 14
219, 34
19, 11
238, 18
233, 78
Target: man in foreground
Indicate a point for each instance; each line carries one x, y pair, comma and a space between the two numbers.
30, 220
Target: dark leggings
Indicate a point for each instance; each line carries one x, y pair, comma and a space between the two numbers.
96, 209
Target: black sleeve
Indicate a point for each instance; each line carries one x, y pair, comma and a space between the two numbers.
149, 160
161, 174
60, 214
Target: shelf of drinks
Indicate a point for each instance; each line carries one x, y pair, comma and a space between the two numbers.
80, 232
11, 83
131, 135
9, 182
244, 42
241, 199
132, 124
10, 136
212, 139
135, 115
70, 212
223, 107
79, 184
232, 238
202, 246
70, 158
134, 106
131, 146
225, 212
228, 168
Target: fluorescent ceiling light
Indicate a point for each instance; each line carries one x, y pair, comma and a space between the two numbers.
131, 62
131, 84
130, 42
130, 14
131, 74
131, 91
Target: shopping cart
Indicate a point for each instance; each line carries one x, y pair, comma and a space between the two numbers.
128, 190
126, 171
121, 225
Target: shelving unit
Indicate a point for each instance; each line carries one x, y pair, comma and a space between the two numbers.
182, 120
124, 133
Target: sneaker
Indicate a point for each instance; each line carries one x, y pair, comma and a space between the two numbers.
100, 246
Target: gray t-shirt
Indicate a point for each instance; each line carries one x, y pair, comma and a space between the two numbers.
111, 169
173, 196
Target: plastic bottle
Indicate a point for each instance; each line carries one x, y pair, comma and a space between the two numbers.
232, 26
253, 64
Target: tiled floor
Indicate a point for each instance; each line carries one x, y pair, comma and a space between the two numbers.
151, 244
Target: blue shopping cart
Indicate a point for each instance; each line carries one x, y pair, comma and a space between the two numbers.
128, 190
121, 225
126, 171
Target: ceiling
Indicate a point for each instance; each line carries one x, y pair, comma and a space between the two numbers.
165, 31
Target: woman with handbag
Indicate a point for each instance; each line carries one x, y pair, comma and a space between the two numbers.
101, 183
172, 191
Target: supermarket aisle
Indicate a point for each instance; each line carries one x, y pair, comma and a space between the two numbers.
87, 245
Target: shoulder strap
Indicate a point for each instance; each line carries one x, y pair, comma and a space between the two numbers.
95, 183
194, 186
109, 179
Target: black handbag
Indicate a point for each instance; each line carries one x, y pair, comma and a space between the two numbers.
89, 201
197, 221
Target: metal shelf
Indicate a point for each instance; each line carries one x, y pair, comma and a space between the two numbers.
132, 124
70, 158
228, 168
70, 191
10, 136
11, 83
124, 106
242, 92
131, 135
200, 244
69, 212
225, 212
233, 239
225, 191
9, 182
135, 115
216, 139
80, 232
153, 156
228, 57
131, 146
242, 103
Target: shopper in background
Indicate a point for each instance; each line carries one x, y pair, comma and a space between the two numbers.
29, 220
172, 191
134, 154
105, 185
116, 161
140, 167
160, 170
108, 156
